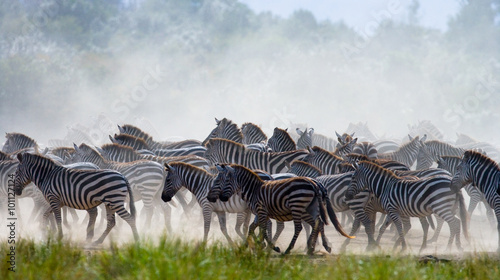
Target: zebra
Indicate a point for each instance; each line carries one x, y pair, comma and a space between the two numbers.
407, 153
384, 146
484, 173
199, 182
366, 148
451, 163
65, 153
79, 189
426, 127
226, 151
225, 129
362, 131
137, 132
344, 138
191, 151
296, 199
385, 163
18, 141
410, 198
121, 153
131, 141
305, 138
281, 141
336, 185
326, 161
434, 150
4, 156
145, 177
252, 134
302, 168
345, 149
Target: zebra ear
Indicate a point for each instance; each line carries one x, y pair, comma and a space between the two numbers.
311, 131
76, 147
352, 135
217, 122
355, 165
229, 168
310, 150
409, 136
220, 168
354, 141
168, 167
288, 165
100, 150
20, 157
424, 138
299, 132
112, 139
338, 135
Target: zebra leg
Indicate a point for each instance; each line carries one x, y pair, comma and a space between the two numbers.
425, 227
110, 216
167, 214
90, 228
57, 215
454, 224
382, 229
355, 227
440, 223
223, 228
396, 219
314, 236
489, 213
280, 226
242, 221
497, 214
251, 231
263, 220
298, 228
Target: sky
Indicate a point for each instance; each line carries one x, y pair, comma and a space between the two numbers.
357, 14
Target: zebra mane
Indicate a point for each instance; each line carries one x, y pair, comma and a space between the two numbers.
377, 168
29, 157
122, 149
478, 157
320, 150
90, 151
284, 133
250, 176
135, 131
251, 126
220, 141
190, 167
302, 164
62, 152
130, 140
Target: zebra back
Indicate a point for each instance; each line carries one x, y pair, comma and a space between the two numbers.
120, 153
326, 161
407, 153
302, 168
365, 148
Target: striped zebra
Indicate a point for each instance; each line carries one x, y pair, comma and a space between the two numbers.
4, 156
191, 151
137, 132
296, 199
281, 141
484, 173
225, 129
345, 149
226, 151
131, 141
121, 153
410, 198
17, 141
407, 153
302, 168
362, 131
79, 189
199, 182
451, 163
385, 163
384, 146
305, 138
145, 178
336, 186
326, 161
252, 134
366, 148
434, 150
65, 153
323, 141
344, 138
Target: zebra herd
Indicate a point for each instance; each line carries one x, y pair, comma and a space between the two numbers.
295, 175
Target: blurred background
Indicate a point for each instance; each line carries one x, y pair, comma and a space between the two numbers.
171, 66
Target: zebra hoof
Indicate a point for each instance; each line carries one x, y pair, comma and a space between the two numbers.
277, 249
328, 249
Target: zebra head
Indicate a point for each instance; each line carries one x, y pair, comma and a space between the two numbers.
229, 185
172, 183
22, 176
463, 172
305, 138
218, 183
357, 183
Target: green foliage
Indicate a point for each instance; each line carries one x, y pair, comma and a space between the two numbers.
174, 259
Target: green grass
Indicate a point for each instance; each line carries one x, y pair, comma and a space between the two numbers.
174, 259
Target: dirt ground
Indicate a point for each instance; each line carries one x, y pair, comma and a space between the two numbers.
483, 236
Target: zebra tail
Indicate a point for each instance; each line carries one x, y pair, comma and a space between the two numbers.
334, 219
321, 194
431, 222
131, 197
464, 215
